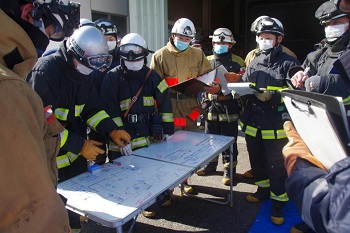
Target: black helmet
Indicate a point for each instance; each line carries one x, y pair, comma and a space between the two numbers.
107, 27
329, 11
271, 25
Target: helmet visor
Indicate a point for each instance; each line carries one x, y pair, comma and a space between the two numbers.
132, 52
222, 32
99, 61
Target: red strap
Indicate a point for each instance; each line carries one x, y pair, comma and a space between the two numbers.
172, 81
49, 114
196, 112
180, 122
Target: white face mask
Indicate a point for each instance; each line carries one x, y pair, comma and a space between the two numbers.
134, 65
333, 32
83, 69
264, 44
111, 45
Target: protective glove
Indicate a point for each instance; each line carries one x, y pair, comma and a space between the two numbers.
126, 150
264, 96
90, 149
232, 77
166, 137
313, 84
213, 88
296, 148
120, 137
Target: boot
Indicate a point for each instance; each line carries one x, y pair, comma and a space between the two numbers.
226, 177
301, 228
260, 195
187, 188
277, 216
249, 174
207, 169
148, 213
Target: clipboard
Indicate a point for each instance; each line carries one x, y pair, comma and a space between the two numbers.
244, 88
190, 87
321, 122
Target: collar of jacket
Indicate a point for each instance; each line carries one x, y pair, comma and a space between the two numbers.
174, 51
341, 44
12, 36
223, 56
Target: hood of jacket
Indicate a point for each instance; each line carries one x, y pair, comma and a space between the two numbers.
17, 51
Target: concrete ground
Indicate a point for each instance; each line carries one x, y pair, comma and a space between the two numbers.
187, 214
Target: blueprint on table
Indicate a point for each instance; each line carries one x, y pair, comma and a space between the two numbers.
187, 148
118, 190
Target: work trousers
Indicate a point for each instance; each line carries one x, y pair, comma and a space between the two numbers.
267, 161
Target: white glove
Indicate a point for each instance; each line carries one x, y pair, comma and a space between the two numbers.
166, 137
126, 150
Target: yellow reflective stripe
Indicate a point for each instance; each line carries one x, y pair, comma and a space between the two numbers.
283, 197
118, 121
61, 113
162, 86
62, 161
148, 101
241, 124
64, 137
97, 118
268, 134
263, 183
66, 159
140, 142
124, 104
167, 117
280, 134
113, 147
251, 131
346, 101
274, 88
78, 109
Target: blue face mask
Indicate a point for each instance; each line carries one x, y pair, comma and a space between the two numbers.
180, 45
219, 48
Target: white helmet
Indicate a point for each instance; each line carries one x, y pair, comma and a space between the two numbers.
85, 22
223, 35
132, 47
184, 27
89, 46
253, 26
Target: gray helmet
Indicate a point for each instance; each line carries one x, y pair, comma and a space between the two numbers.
89, 46
270, 25
85, 22
329, 11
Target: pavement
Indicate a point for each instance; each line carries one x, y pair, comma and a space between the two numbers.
188, 214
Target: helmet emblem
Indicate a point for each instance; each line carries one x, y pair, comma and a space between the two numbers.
187, 31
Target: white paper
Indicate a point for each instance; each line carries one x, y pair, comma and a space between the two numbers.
221, 70
241, 88
207, 78
316, 130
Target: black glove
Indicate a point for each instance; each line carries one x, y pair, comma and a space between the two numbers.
156, 126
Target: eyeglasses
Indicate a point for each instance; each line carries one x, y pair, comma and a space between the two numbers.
99, 61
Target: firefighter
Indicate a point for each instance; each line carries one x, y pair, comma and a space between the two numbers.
177, 62
261, 120
110, 30
62, 80
222, 112
30, 134
149, 118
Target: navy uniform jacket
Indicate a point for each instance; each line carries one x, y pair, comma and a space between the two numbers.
73, 97
119, 87
266, 71
323, 198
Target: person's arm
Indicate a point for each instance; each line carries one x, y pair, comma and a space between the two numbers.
321, 196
